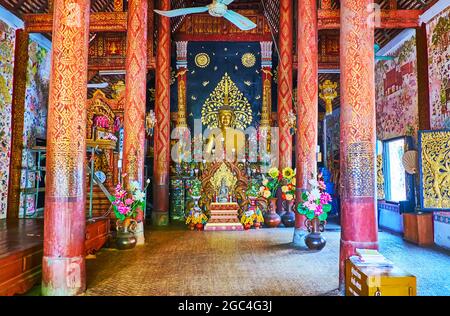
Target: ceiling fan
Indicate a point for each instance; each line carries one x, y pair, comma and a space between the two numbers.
218, 8
377, 57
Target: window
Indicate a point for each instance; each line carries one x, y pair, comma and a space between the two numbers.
394, 174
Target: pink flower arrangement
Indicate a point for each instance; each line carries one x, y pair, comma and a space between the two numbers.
101, 121
316, 202
128, 204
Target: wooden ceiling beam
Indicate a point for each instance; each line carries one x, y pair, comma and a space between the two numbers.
390, 19
99, 22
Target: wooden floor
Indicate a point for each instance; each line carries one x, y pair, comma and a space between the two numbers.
256, 262
21, 250
21, 245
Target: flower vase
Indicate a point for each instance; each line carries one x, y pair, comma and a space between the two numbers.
314, 240
280, 204
125, 234
271, 218
199, 226
288, 218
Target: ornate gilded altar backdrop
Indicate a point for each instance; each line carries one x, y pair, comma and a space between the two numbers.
208, 62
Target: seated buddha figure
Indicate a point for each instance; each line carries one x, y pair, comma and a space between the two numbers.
226, 142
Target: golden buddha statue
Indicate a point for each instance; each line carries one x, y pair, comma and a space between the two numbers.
226, 142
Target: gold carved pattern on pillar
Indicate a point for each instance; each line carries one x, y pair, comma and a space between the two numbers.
307, 100
18, 112
118, 5
266, 55
308, 81
135, 91
63, 265
181, 119
162, 110
326, 4
267, 99
67, 105
358, 91
182, 77
285, 73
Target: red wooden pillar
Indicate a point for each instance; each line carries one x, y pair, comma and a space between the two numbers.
162, 130
17, 121
63, 264
285, 75
135, 93
358, 136
307, 112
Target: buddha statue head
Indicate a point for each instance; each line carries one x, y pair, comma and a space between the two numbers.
226, 117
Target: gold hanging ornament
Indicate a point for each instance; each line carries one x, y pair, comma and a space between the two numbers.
328, 93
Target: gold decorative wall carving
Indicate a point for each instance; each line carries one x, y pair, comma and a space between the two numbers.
380, 178
435, 170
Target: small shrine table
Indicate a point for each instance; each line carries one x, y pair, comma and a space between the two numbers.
224, 217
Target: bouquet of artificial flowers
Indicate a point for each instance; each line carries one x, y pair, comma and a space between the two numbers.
316, 202
127, 204
271, 184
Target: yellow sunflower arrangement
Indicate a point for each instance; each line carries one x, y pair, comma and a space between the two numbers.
288, 188
288, 173
196, 218
274, 173
270, 186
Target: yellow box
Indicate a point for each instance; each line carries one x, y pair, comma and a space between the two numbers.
373, 281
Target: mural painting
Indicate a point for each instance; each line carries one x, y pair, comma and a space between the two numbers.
7, 39
396, 93
35, 119
439, 70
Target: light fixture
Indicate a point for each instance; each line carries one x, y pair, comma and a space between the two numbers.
111, 72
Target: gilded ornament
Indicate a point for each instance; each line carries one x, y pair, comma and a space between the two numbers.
328, 93
435, 171
240, 105
380, 178
248, 60
202, 60
360, 178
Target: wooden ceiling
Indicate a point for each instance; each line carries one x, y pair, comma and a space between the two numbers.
20, 7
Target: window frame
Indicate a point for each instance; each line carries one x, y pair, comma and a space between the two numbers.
387, 169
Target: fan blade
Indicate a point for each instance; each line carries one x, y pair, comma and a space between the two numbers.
376, 47
225, 2
184, 11
384, 58
239, 20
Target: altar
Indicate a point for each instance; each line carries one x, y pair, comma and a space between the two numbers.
224, 217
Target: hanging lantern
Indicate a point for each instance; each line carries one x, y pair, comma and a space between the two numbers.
328, 93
